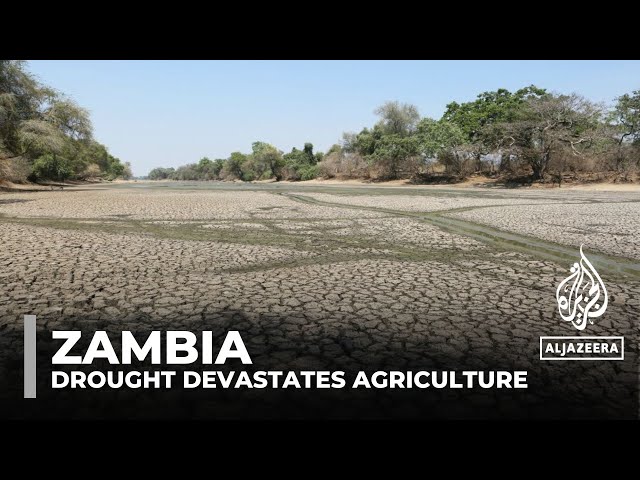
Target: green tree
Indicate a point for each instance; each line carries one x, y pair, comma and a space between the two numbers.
217, 166
551, 126
44, 129
20, 99
207, 169
72, 120
363, 143
335, 148
267, 161
393, 154
308, 151
624, 121
391, 146
444, 141
626, 116
300, 164
233, 166
116, 169
483, 119
489, 108
52, 167
437, 136
59, 124
161, 173
204, 163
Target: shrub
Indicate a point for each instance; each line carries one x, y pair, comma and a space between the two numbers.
289, 172
52, 167
16, 170
309, 173
248, 176
92, 171
344, 166
161, 173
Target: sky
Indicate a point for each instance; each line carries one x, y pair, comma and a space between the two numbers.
170, 113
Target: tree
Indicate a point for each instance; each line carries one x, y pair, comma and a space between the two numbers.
127, 174
393, 154
204, 163
52, 167
499, 106
233, 165
116, 170
36, 138
308, 151
207, 169
161, 173
625, 119
437, 136
267, 160
91, 171
72, 120
526, 129
340, 163
335, 148
40, 127
300, 164
550, 126
363, 143
481, 120
216, 168
626, 116
20, 98
397, 118
35, 119
442, 140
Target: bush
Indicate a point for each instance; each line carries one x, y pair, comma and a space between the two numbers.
161, 173
52, 167
248, 176
457, 162
16, 170
268, 174
344, 166
309, 173
92, 171
290, 172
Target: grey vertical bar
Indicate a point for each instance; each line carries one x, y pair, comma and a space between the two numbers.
29, 356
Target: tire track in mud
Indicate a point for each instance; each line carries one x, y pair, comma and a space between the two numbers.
496, 238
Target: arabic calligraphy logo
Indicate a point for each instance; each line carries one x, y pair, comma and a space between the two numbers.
582, 295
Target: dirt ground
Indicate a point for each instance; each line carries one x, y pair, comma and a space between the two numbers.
478, 181
320, 275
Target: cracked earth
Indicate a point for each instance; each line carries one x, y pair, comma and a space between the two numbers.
329, 279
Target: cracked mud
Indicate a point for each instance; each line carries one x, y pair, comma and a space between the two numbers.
332, 280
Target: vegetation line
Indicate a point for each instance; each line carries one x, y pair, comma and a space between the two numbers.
45, 135
520, 137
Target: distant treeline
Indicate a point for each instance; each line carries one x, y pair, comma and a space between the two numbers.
264, 162
530, 134
45, 135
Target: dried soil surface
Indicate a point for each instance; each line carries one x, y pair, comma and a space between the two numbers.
333, 278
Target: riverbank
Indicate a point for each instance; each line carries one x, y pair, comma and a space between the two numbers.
471, 182
7, 186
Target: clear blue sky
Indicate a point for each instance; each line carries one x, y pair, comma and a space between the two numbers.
168, 113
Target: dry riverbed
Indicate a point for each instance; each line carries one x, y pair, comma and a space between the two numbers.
322, 277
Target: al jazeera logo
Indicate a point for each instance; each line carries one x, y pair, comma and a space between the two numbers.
582, 298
